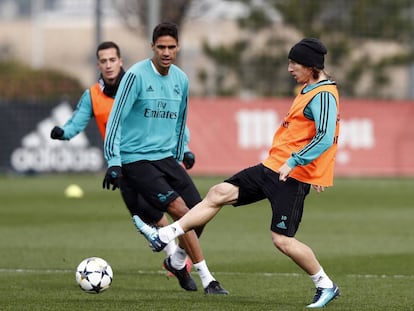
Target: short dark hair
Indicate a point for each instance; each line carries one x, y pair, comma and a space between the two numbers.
165, 29
108, 45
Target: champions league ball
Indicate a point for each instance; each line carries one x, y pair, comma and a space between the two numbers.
94, 275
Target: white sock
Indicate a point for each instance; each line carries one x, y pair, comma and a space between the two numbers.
170, 248
170, 232
321, 279
178, 259
204, 273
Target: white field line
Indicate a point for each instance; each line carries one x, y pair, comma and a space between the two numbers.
266, 274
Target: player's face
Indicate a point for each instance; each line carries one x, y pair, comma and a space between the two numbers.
300, 73
165, 52
109, 64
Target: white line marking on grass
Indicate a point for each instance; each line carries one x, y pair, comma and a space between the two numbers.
266, 274
46, 271
380, 276
279, 274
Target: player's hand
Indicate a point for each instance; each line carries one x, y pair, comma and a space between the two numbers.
188, 160
112, 177
318, 189
284, 171
57, 133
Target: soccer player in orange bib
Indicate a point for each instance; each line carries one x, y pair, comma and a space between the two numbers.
302, 156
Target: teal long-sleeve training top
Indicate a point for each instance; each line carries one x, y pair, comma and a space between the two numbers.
147, 121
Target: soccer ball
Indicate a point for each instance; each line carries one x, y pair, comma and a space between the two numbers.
94, 275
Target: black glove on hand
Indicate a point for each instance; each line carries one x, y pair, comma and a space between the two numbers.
188, 160
112, 176
56, 133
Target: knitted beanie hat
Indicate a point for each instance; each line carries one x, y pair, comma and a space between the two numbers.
309, 52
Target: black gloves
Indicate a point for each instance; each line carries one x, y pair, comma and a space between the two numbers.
56, 133
112, 176
188, 160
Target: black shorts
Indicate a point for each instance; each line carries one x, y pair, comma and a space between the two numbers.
286, 197
137, 205
158, 183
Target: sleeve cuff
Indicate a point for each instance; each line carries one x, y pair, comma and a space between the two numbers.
291, 162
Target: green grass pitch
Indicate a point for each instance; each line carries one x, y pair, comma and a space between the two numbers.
361, 230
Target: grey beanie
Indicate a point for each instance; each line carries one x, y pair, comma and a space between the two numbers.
309, 52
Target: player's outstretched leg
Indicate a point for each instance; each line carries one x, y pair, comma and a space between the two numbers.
323, 296
150, 233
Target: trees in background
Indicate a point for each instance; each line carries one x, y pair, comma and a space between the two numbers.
348, 27
136, 17
370, 47
19, 82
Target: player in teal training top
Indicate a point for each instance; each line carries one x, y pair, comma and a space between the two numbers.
158, 104
96, 103
145, 138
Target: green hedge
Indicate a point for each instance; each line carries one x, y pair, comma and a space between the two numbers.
20, 82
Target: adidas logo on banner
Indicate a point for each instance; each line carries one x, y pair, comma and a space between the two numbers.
39, 153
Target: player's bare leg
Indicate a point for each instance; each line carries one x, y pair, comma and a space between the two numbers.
198, 216
305, 258
218, 196
190, 243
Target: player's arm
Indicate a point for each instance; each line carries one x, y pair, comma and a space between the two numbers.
186, 139
323, 111
78, 121
124, 99
189, 157
181, 126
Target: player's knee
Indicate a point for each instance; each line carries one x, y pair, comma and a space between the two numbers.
177, 208
281, 242
221, 194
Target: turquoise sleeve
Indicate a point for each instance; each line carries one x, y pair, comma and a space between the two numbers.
181, 127
186, 139
323, 110
124, 100
80, 117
